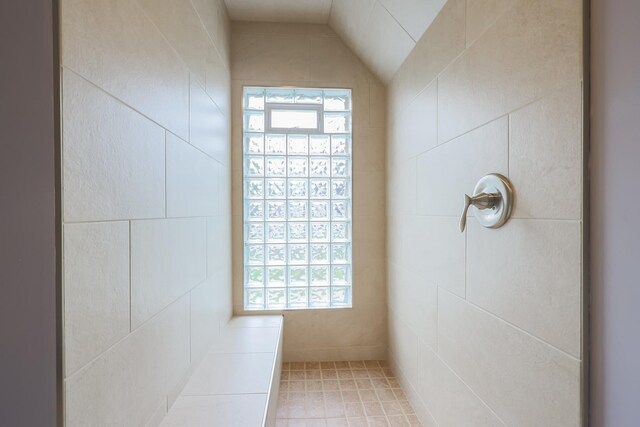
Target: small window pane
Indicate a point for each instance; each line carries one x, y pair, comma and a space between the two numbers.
294, 119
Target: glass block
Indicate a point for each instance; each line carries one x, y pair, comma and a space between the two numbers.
340, 144
276, 232
337, 100
319, 166
340, 188
319, 189
298, 166
254, 188
254, 143
276, 298
276, 210
276, 188
276, 254
276, 166
276, 277
254, 233
319, 275
280, 96
320, 231
255, 254
298, 276
254, 211
254, 299
340, 275
337, 122
340, 167
255, 277
275, 144
298, 210
308, 96
254, 166
320, 254
298, 231
319, 297
341, 296
298, 254
298, 144
340, 253
319, 211
254, 121
319, 145
340, 231
298, 188
340, 209
298, 298
253, 98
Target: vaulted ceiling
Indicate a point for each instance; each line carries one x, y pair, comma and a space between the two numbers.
381, 32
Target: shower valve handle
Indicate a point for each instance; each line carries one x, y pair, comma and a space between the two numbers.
480, 201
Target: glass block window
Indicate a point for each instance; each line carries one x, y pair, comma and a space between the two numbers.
297, 198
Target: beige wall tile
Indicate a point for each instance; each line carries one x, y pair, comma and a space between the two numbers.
481, 14
369, 151
312, 11
441, 187
332, 61
192, 180
545, 156
415, 16
117, 47
416, 129
218, 242
450, 400
180, 24
543, 386
213, 14
96, 290
205, 325
511, 65
123, 386
529, 273
402, 187
403, 345
441, 43
100, 132
208, 127
218, 83
168, 258
270, 57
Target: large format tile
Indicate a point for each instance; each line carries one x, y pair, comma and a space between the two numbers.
481, 14
96, 289
224, 373
113, 157
217, 411
545, 156
213, 14
525, 381
208, 127
416, 129
442, 42
218, 243
168, 258
192, 180
333, 61
511, 65
451, 170
180, 24
451, 401
403, 345
529, 273
247, 340
205, 316
124, 385
116, 46
436, 251
415, 16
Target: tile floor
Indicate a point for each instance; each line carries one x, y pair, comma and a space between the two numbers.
359, 393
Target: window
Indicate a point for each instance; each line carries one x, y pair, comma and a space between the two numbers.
297, 198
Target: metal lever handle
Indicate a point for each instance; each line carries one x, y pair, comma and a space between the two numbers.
480, 201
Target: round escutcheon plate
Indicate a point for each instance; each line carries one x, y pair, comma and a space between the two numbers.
499, 214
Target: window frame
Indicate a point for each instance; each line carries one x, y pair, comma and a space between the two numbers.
270, 106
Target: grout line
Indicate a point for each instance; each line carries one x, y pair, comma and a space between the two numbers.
130, 280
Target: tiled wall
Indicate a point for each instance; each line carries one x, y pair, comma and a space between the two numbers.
313, 56
485, 326
147, 204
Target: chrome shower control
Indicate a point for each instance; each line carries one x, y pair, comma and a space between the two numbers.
493, 201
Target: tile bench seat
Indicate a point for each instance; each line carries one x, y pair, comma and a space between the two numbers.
236, 384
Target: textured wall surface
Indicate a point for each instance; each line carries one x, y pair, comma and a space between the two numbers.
28, 176
305, 55
615, 247
485, 326
146, 201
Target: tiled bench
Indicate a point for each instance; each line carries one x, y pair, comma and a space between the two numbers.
236, 384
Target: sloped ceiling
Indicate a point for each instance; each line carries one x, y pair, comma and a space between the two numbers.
381, 32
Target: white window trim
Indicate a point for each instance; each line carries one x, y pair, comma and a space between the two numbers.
269, 107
